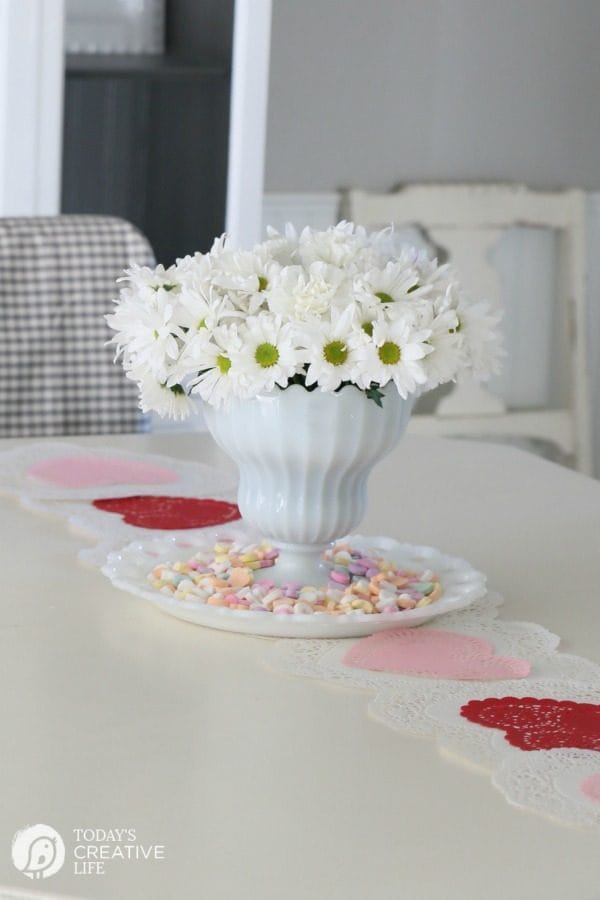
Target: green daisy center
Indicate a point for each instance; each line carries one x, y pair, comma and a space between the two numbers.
263, 283
224, 364
177, 389
335, 352
201, 324
266, 355
155, 334
385, 298
389, 353
368, 328
455, 330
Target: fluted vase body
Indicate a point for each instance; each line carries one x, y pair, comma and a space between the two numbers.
304, 459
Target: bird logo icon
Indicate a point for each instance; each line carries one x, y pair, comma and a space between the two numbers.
38, 851
42, 853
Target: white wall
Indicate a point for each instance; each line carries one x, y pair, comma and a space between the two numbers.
374, 92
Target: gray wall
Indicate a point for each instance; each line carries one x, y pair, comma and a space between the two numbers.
376, 92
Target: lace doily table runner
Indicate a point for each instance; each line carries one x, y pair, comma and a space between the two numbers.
497, 694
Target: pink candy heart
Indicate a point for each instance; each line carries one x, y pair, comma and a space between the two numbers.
434, 654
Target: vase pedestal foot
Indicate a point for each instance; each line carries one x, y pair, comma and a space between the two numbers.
301, 563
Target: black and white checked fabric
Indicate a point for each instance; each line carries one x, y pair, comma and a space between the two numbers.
57, 280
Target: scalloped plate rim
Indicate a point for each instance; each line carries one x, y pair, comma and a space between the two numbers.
472, 586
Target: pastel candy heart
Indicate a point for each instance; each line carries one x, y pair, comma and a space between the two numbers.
590, 787
168, 513
97, 471
539, 724
434, 654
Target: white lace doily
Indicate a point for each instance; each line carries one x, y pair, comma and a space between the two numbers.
544, 781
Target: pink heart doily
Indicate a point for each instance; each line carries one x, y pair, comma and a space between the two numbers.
434, 654
98, 471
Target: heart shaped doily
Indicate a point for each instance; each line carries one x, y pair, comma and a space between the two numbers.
434, 654
530, 723
170, 513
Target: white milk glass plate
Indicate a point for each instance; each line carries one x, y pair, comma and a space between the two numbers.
128, 569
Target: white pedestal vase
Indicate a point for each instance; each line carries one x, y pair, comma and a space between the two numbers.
304, 459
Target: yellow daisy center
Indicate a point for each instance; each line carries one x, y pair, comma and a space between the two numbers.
335, 352
224, 364
389, 353
266, 355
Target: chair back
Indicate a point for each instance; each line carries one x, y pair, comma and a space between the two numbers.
463, 223
57, 281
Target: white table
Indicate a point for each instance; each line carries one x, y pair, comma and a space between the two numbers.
264, 786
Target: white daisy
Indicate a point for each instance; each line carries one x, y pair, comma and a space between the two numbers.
197, 354
283, 248
269, 355
197, 310
344, 245
447, 354
195, 274
217, 381
331, 349
144, 281
389, 288
147, 330
395, 353
478, 326
172, 401
245, 275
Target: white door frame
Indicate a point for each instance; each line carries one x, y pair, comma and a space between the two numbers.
31, 98
248, 120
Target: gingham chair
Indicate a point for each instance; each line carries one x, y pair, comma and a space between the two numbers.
57, 280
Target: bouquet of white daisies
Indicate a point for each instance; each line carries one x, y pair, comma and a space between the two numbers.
323, 309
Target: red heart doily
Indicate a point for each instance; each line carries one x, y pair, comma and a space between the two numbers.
532, 724
170, 513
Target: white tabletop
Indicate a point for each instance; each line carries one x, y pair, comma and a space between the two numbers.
115, 715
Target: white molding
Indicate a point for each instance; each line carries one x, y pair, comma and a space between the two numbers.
51, 78
319, 210
4, 44
248, 120
593, 323
31, 93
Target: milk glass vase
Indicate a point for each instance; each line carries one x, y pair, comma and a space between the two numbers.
304, 458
